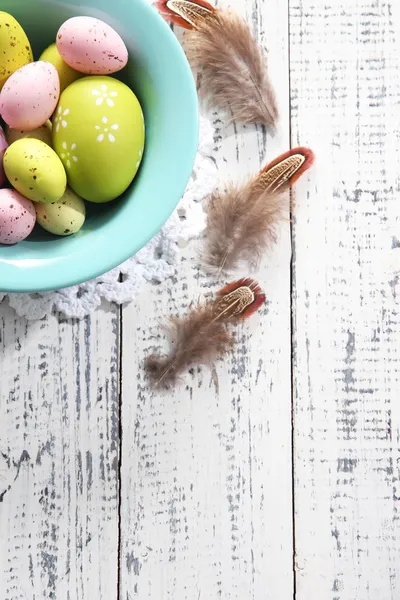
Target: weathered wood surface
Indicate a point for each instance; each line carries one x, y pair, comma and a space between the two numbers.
110, 491
345, 91
60, 453
206, 471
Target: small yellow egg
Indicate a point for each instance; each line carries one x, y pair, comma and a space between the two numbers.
15, 47
35, 171
42, 133
64, 217
66, 74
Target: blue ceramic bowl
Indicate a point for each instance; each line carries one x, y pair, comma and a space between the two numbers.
159, 74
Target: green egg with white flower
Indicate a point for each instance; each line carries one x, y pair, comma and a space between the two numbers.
64, 217
99, 135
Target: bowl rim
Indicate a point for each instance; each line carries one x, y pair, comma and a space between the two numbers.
70, 270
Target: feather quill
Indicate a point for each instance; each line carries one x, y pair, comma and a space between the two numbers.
202, 336
242, 220
233, 66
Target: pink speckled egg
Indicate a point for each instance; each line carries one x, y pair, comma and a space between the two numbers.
17, 217
91, 46
3, 148
30, 95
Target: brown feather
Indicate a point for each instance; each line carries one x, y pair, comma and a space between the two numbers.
241, 223
233, 67
196, 338
242, 220
201, 336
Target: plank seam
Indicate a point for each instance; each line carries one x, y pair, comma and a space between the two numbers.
292, 349
119, 482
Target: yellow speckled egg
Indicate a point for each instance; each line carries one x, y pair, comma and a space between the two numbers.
99, 133
66, 73
35, 171
15, 47
42, 133
63, 217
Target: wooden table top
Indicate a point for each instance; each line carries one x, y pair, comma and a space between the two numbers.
276, 473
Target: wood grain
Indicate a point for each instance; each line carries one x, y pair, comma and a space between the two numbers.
206, 470
60, 452
345, 93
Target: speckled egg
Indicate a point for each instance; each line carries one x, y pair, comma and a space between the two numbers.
30, 96
42, 133
34, 169
17, 217
66, 74
64, 217
15, 47
99, 133
3, 148
91, 46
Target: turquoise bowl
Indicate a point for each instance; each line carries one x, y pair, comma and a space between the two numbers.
159, 74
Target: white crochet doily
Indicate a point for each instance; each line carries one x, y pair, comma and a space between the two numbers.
155, 262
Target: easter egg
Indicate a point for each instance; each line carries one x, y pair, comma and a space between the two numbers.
66, 74
42, 133
15, 47
34, 170
98, 133
91, 46
17, 217
3, 148
63, 217
30, 96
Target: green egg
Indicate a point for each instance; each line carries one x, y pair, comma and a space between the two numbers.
99, 132
66, 74
64, 217
42, 133
35, 171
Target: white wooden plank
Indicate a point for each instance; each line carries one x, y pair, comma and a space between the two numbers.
206, 469
345, 102
60, 445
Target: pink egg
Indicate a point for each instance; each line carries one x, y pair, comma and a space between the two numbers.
30, 96
91, 46
3, 148
17, 217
